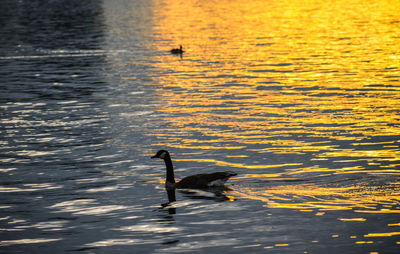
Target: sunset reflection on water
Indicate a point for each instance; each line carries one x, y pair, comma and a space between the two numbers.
287, 90
300, 98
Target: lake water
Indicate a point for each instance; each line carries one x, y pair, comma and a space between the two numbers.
300, 98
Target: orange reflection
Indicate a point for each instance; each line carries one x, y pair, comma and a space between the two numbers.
382, 234
268, 71
286, 78
312, 197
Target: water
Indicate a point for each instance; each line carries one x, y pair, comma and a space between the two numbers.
301, 99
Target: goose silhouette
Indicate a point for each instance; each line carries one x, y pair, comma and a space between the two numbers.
177, 51
198, 181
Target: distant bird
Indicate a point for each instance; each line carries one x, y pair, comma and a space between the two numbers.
177, 51
199, 181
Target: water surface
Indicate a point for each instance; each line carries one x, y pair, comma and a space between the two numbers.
301, 99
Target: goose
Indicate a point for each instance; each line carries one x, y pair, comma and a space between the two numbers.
199, 181
177, 51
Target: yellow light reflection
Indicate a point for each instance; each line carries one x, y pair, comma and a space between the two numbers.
364, 242
353, 219
287, 78
311, 197
265, 72
239, 165
382, 234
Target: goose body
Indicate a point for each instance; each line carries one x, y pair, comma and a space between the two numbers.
177, 50
198, 181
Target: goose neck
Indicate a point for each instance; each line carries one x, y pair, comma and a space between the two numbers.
170, 170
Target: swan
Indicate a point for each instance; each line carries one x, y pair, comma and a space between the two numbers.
177, 51
199, 181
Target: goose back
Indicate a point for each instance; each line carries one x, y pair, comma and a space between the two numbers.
204, 180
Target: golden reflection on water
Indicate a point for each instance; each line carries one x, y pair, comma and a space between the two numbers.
315, 78
269, 70
360, 198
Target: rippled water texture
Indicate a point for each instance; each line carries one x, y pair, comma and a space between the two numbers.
300, 98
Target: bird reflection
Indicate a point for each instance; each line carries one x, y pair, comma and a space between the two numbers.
171, 199
215, 193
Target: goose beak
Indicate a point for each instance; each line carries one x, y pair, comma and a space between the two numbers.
153, 157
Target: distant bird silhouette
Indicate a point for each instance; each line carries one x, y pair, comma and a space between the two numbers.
199, 181
177, 51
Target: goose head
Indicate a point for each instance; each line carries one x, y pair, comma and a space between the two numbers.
162, 154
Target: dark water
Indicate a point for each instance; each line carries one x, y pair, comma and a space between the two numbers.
301, 100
